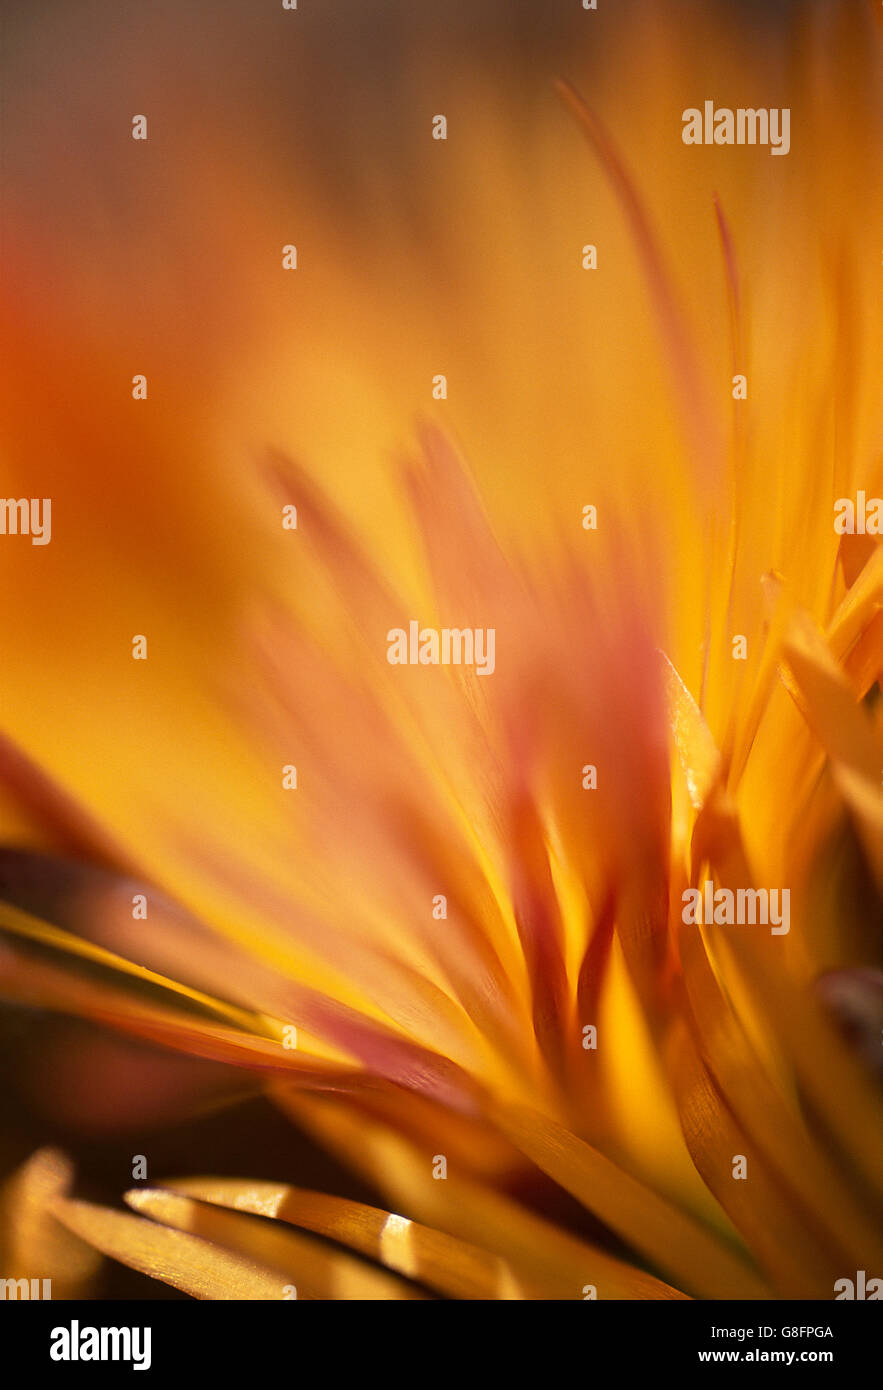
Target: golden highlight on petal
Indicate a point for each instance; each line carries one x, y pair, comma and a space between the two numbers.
442, 1262
594, 413
300, 1261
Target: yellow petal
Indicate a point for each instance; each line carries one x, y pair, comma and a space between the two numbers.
185, 1261
316, 1272
542, 1255
453, 1267
663, 1233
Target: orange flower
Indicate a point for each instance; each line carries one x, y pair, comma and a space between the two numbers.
452, 947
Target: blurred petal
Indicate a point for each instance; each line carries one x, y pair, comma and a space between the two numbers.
670, 1238
32, 1243
195, 1266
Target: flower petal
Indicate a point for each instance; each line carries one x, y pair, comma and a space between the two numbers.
316, 1272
